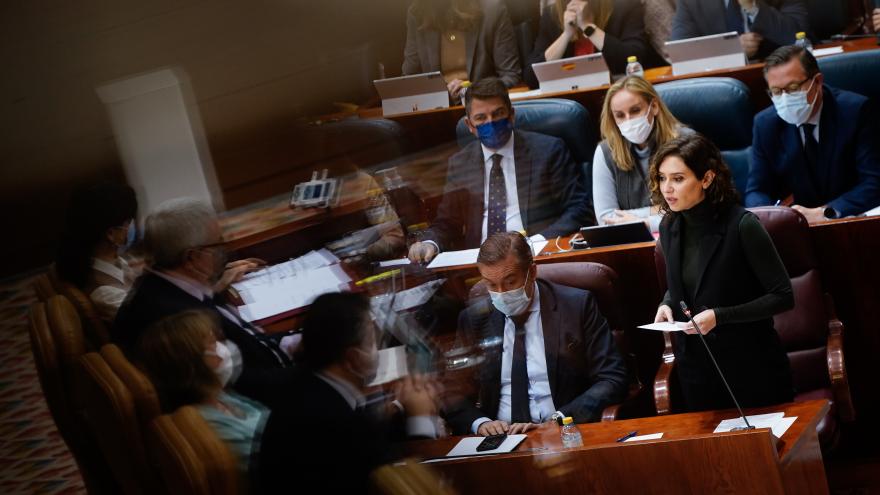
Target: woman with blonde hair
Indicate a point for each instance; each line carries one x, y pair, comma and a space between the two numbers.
634, 124
466, 40
615, 28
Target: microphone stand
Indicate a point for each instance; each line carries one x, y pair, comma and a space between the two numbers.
687, 313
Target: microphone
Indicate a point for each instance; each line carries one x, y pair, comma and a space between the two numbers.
687, 313
844, 37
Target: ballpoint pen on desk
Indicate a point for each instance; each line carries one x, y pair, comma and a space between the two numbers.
778, 202
628, 436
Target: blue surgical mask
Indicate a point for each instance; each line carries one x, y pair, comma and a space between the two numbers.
794, 107
130, 238
513, 302
495, 134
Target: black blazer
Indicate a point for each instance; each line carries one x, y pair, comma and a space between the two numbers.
624, 36
315, 439
778, 21
750, 353
584, 367
552, 198
491, 49
152, 298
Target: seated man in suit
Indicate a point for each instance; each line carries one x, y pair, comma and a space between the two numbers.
763, 24
556, 355
816, 147
330, 433
506, 181
183, 241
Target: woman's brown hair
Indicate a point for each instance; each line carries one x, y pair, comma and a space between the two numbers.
172, 351
447, 15
601, 10
666, 126
700, 155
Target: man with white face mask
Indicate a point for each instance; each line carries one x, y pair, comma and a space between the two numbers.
555, 354
816, 148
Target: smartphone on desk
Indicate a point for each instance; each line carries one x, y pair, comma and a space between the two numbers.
491, 442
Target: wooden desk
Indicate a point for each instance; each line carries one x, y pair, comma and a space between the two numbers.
688, 459
433, 127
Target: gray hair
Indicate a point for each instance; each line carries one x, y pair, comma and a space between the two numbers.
175, 227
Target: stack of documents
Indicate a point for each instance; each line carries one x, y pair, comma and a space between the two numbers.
290, 285
469, 256
777, 422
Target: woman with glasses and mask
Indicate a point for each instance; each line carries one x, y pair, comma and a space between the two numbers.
634, 124
614, 28
722, 264
189, 366
94, 254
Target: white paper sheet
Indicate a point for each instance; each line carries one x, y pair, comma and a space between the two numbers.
821, 52
399, 262
468, 446
873, 212
276, 294
665, 326
652, 436
469, 256
392, 365
518, 95
777, 423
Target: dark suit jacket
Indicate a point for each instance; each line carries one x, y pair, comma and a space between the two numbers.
777, 21
491, 49
624, 36
584, 367
552, 198
849, 176
314, 439
152, 298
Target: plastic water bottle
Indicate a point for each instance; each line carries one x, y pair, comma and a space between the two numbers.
571, 436
464, 87
633, 67
802, 41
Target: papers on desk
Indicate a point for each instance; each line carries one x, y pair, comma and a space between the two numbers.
665, 326
392, 365
398, 262
405, 299
873, 212
468, 446
777, 422
469, 256
290, 285
518, 95
821, 52
652, 436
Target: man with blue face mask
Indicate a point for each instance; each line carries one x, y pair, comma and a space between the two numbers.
506, 180
816, 147
553, 353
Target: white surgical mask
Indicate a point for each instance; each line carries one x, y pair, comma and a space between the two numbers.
226, 369
794, 107
366, 370
513, 302
637, 130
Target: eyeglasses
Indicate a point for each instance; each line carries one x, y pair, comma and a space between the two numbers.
791, 88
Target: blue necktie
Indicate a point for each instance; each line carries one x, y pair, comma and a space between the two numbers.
497, 218
733, 17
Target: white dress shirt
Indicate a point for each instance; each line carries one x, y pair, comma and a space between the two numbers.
541, 405
108, 298
508, 168
748, 15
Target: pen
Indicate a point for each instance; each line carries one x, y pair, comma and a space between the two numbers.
628, 435
778, 202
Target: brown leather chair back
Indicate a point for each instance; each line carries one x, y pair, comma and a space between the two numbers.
146, 400
95, 328
43, 287
55, 361
595, 277
113, 420
408, 478
189, 455
803, 329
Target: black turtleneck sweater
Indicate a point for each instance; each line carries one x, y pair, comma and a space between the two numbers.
762, 256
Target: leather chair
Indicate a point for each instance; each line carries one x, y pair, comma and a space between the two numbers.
43, 287
190, 457
719, 108
568, 120
854, 71
96, 331
408, 477
598, 279
57, 344
113, 421
811, 333
146, 400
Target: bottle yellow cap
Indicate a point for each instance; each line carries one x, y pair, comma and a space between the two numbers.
567, 420
466, 84
631, 59
801, 35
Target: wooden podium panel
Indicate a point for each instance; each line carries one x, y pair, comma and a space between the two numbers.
689, 459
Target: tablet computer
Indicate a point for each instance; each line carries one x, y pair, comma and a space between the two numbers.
412, 93
568, 74
612, 235
705, 53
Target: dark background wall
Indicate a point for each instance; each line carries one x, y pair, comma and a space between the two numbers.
260, 69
